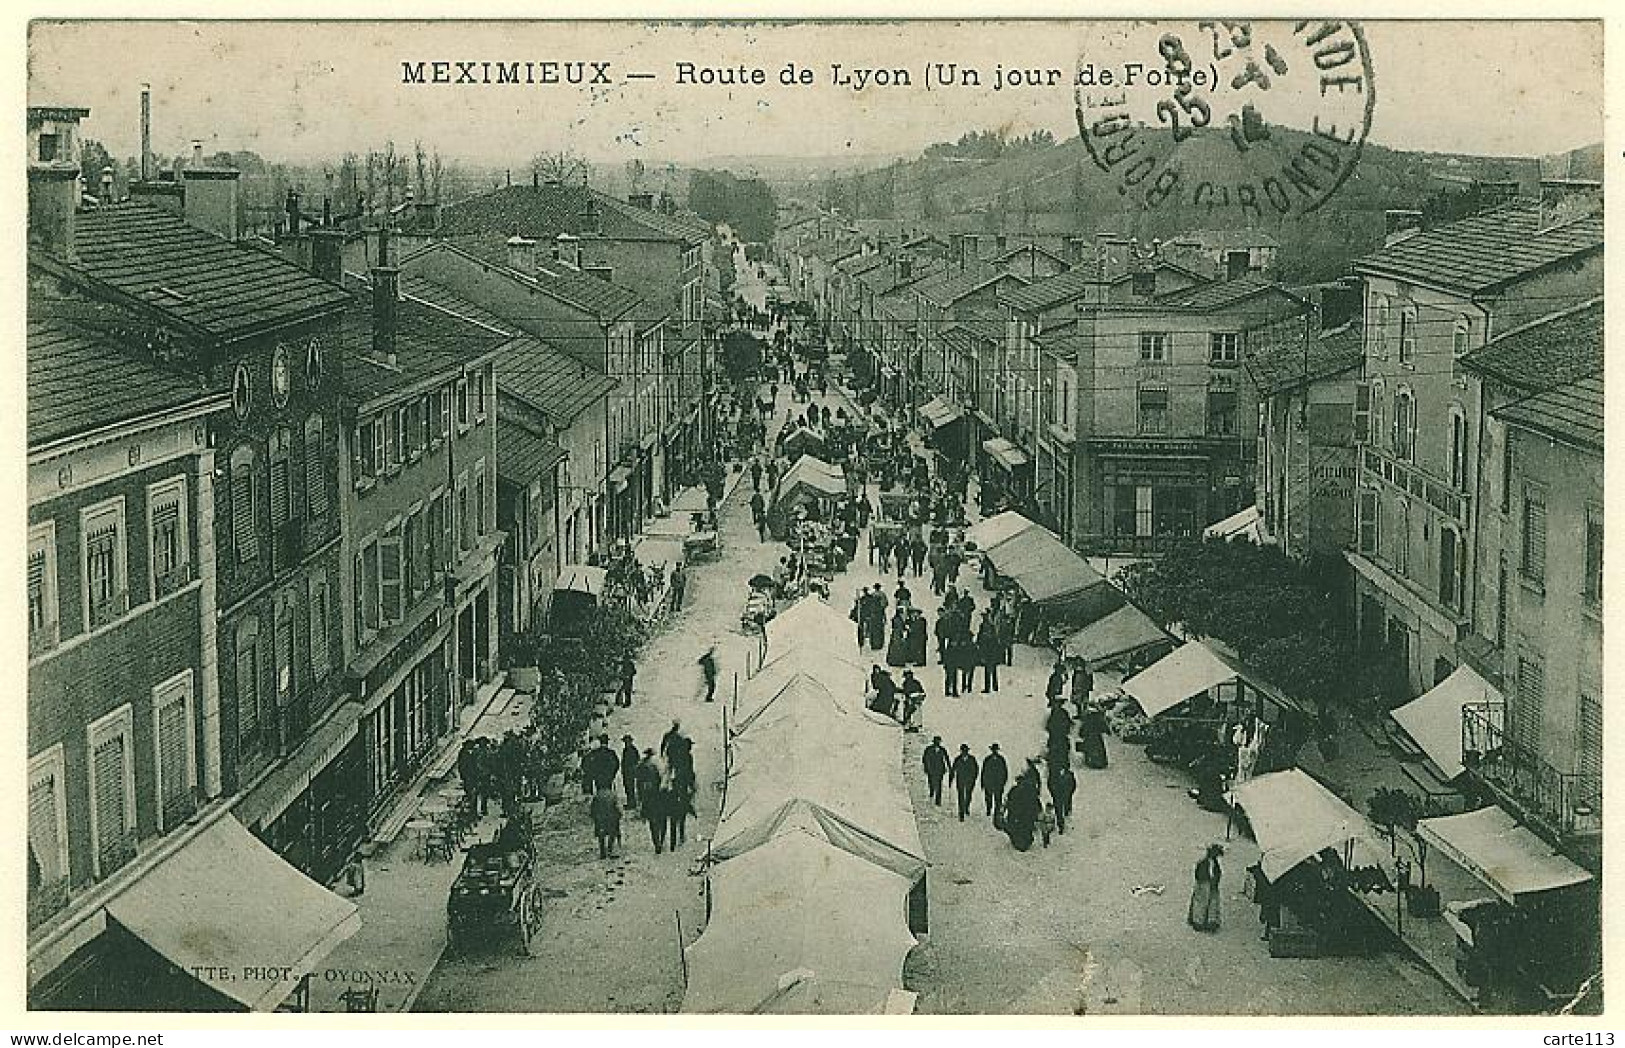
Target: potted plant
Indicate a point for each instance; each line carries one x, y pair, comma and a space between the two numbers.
524, 672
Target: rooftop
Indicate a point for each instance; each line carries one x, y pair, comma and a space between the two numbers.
603, 299
522, 456
200, 281
954, 283
431, 343
1057, 290
545, 211
1554, 351
1484, 251
87, 371
1221, 294
1279, 360
1570, 412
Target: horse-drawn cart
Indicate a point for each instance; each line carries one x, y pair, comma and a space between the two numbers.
495, 893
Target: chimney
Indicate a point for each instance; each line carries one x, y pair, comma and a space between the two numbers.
905, 268
1493, 193
567, 249
53, 177
1397, 225
1000, 243
386, 293
643, 200
1113, 253
522, 255
327, 254
601, 271
146, 132
591, 219
292, 206
327, 211
1563, 200
106, 194
211, 199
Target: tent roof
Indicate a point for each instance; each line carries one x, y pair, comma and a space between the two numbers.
1245, 524
655, 549
1434, 720
1294, 817
802, 435
583, 578
844, 679
1043, 566
1122, 631
800, 925
1188, 670
809, 623
812, 471
1501, 853
996, 529
225, 902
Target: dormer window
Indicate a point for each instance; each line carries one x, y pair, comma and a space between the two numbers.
1145, 282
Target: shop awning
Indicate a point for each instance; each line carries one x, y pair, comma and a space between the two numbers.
581, 578
938, 413
1046, 569
1188, 670
1247, 524
1126, 630
1294, 817
1434, 721
1501, 853
227, 903
272, 796
1005, 453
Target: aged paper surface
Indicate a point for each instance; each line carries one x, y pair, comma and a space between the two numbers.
1065, 520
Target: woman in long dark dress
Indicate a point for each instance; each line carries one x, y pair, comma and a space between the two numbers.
1092, 733
897, 650
916, 637
1204, 908
1021, 809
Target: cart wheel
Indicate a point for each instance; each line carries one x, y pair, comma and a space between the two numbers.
527, 923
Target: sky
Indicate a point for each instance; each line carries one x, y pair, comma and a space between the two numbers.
317, 90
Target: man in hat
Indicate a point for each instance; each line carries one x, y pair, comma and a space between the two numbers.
963, 775
600, 765
629, 770
936, 767
995, 774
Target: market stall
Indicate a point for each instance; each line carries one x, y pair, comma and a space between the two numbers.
575, 594
1315, 852
1246, 525
1432, 723
1116, 637
810, 486
803, 441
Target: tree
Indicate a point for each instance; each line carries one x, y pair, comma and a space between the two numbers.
93, 159
741, 355
562, 166
748, 206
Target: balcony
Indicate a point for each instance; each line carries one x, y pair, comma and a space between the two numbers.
1559, 804
171, 581
113, 607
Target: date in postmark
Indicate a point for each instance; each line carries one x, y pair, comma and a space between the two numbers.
1265, 118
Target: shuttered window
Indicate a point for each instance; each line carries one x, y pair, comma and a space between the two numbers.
1590, 746
1362, 413
284, 646
315, 468
479, 499
281, 498
166, 526
47, 832
389, 572
1528, 702
1533, 561
42, 597
321, 625
248, 682
173, 730
244, 535
1368, 511
1592, 586
113, 807
103, 530
369, 585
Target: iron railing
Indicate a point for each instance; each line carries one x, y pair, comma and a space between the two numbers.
1564, 804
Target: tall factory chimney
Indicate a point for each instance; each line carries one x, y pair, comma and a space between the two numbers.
146, 132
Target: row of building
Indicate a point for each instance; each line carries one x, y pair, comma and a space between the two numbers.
1430, 419
286, 496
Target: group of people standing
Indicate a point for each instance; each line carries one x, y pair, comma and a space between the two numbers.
1021, 813
659, 786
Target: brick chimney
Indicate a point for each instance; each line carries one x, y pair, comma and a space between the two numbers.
522, 255
292, 206
1563, 200
386, 294
905, 268
567, 249
327, 254
211, 202
53, 177
146, 132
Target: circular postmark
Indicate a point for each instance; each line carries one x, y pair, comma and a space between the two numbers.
1267, 119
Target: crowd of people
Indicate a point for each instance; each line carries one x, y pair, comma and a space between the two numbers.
659, 786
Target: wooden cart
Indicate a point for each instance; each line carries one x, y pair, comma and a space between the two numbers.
494, 894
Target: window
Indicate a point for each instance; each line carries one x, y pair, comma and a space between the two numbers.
281, 495
316, 501
1049, 400
1153, 412
112, 791
1462, 339
363, 466
463, 405
241, 391
443, 400
105, 586
1452, 565
50, 146
369, 597
1501, 584
1362, 412
166, 529
411, 556
1592, 586
244, 535
1407, 336
479, 396
465, 537
43, 628
1528, 699
412, 431
48, 816
1224, 347
1379, 324
389, 574
248, 685
1123, 510
437, 535
1589, 745
1402, 537
390, 457
1532, 562
1221, 413
1506, 471
321, 626
283, 645
1153, 345
1458, 448
172, 744
479, 499
1404, 422
1370, 510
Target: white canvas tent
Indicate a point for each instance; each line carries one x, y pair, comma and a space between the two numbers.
844, 677
1245, 524
1294, 817
581, 578
1433, 721
800, 925
998, 528
1188, 670
810, 623
1501, 853
1122, 632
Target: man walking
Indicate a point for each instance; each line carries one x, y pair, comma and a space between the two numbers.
995, 774
708, 670
756, 475
629, 672
991, 652
1062, 785
963, 776
630, 760
936, 768
600, 767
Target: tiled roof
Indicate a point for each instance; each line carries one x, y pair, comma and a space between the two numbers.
1057, 290
1484, 251
859, 264
522, 456
1572, 412
85, 371
547, 211
1278, 360
532, 369
1550, 352
1221, 294
1231, 238
986, 328
831, 250
430, 343
222, 289
953, 284
603, 299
